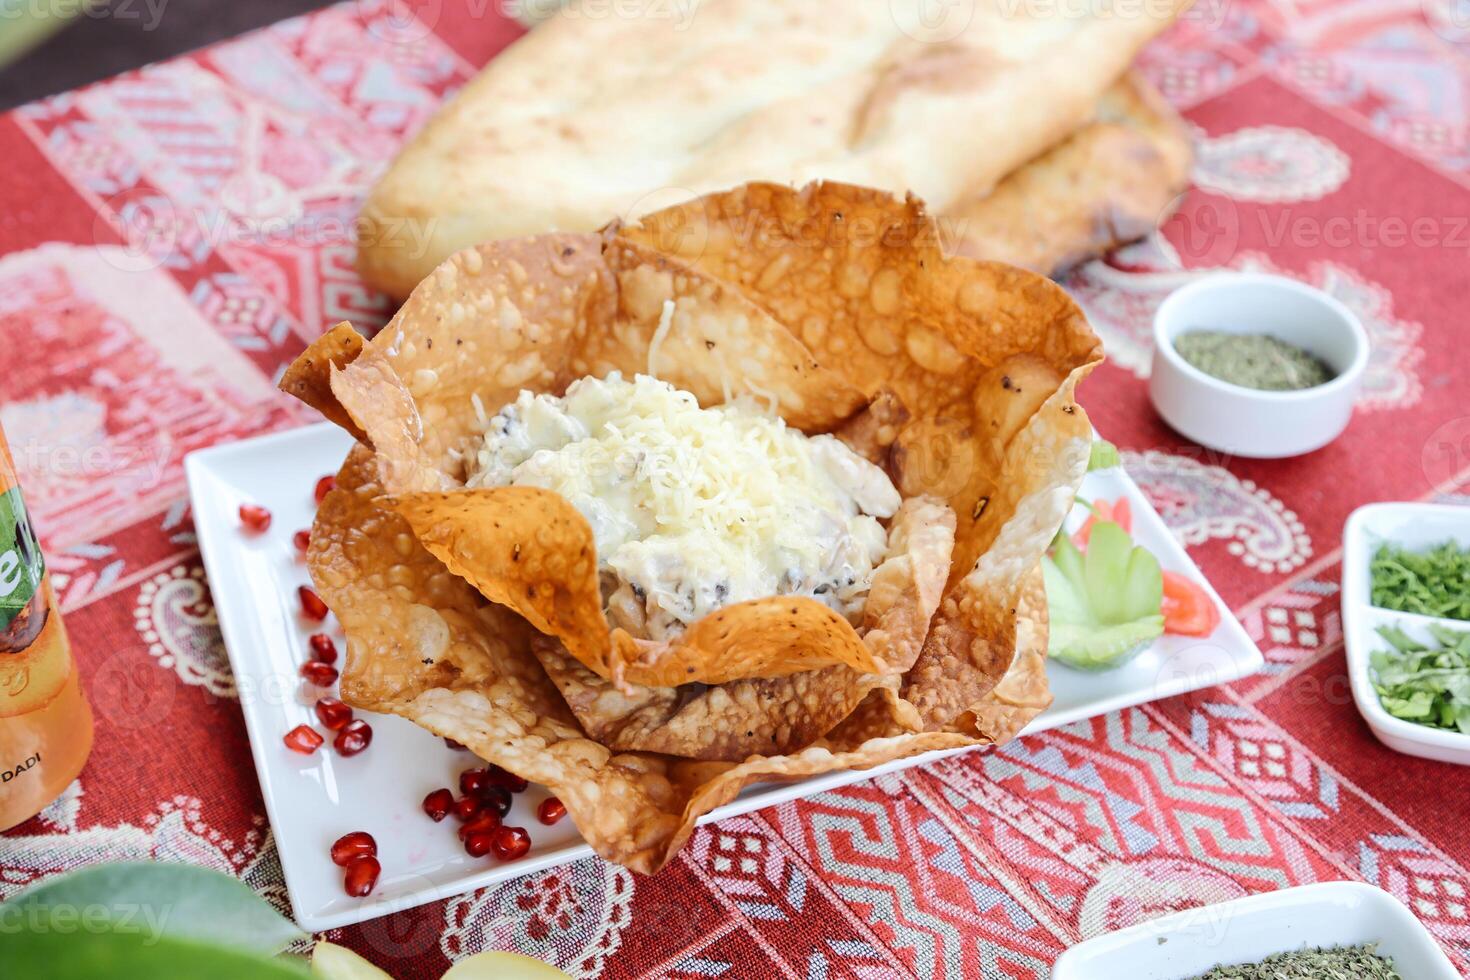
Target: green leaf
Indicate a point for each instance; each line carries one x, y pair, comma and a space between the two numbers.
1105, 605
1433, 582
1102, 647
176, 901
1426, 685
80, 954
1402, 642
1104, 456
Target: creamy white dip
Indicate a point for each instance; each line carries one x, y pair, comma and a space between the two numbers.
693, 509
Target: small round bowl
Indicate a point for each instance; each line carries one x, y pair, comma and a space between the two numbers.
1247, 421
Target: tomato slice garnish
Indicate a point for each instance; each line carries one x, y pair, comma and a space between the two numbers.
1188, 609
1118, 511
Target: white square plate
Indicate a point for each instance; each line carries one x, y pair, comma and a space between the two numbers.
1409, 525
311, 800
1247, 930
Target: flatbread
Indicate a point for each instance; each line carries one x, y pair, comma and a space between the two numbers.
1114, 180
589, 118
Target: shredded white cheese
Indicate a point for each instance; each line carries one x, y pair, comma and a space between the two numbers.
693, 509
665, 321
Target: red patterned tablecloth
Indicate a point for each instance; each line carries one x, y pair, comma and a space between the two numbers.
173, 237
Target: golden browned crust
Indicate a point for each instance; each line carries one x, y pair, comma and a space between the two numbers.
309, 377
969, 370
660, 109
1112, 181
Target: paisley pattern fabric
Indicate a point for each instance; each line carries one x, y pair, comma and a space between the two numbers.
175, 236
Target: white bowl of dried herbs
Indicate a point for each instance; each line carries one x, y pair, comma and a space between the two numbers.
1340, 930
1256, 365
1406, 625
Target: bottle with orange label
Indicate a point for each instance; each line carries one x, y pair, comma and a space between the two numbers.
45, 723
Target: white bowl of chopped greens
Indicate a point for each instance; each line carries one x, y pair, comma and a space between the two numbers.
1256, 365
1338, 929
1406, 625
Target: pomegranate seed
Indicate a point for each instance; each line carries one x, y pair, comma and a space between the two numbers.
551, 810
511, 843
496, 798
303, 739
512, 782
333, 714
322, 648
361, 876
473, 782
302, 540
478, 845
255, 517
350, 847
320, 674
437, 804
312, 606
454, 745
324, 486
352, 739
481, 823
465, 807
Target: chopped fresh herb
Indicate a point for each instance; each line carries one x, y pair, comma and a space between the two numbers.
1104, 456
1334, 963
1426, 685
1435, 582
1105, 604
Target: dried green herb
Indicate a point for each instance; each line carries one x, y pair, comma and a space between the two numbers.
1252, 360
1434, 582
1335, 963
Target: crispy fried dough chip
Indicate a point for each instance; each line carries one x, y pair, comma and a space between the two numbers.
719, 345
968, 371
763, 715
730, 722
529, 549
538, 313
972, 367
424, 645
906, 587
309, 377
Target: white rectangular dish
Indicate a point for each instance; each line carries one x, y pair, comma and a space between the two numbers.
311, 800
1247, 930
1410, 525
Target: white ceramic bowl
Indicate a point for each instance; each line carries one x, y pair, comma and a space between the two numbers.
1245, 421
1247, 930
1409, 525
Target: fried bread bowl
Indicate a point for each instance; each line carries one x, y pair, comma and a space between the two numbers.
476, 612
